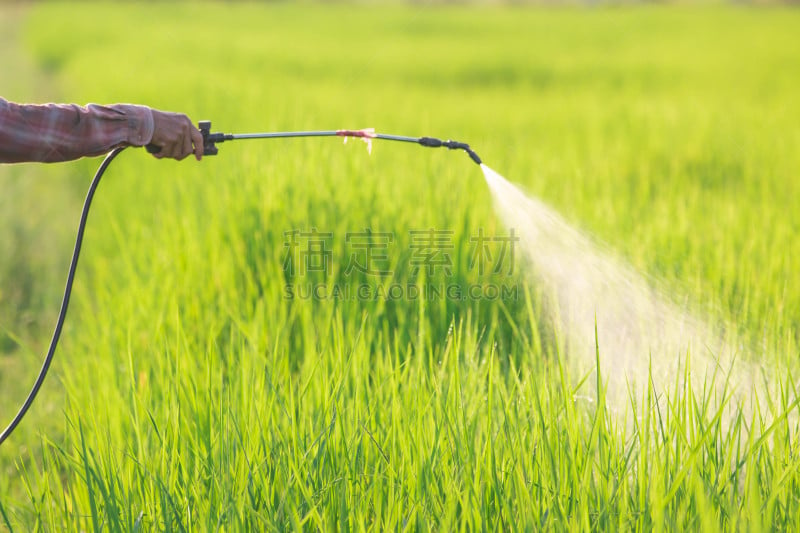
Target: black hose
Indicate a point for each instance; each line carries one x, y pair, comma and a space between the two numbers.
65, 300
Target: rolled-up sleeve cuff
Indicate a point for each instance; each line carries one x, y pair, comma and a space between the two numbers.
140, 123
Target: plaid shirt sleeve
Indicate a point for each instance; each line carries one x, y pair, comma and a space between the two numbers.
61, 132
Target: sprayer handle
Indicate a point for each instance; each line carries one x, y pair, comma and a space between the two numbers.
209, 148
208, 143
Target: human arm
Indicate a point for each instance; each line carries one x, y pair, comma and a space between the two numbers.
62, 132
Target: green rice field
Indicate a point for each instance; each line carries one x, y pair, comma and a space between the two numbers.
234, 358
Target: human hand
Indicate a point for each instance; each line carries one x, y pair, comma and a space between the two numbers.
175, 134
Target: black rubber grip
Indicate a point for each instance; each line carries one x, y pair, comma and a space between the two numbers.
153, 148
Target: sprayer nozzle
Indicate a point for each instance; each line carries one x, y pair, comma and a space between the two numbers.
455, 145
433, 142
473, 156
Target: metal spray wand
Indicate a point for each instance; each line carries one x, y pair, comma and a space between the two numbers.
210, 140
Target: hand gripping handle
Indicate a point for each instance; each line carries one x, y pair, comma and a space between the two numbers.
209, 140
